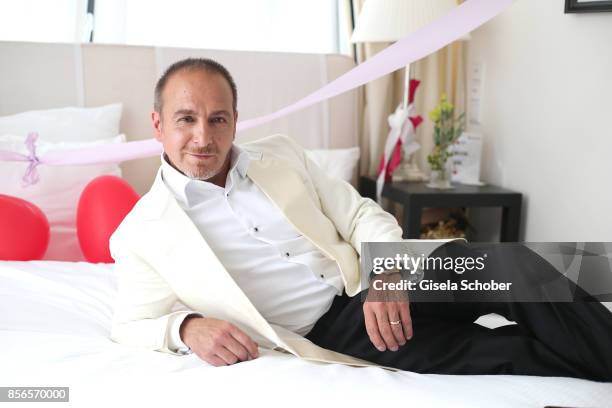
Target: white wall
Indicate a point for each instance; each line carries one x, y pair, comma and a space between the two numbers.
547, 117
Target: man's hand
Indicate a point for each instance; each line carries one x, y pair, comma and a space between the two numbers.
387, 315
216, 341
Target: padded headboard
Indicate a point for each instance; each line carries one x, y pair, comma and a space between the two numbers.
46, 75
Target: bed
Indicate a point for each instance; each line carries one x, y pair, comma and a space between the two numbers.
55, 322
55, 316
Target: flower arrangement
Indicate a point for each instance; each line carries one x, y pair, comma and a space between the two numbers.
447, 129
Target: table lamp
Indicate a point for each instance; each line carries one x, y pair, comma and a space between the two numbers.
389, 21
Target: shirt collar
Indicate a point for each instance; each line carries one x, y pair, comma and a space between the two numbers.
183, 187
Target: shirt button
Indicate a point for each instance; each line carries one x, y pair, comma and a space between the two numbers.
255, 229
321, 276
287, 254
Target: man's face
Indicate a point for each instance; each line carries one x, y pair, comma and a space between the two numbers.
197, 124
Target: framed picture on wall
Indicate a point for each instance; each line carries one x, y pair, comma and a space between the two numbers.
587, 6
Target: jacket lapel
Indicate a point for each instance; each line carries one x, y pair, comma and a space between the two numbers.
284, 186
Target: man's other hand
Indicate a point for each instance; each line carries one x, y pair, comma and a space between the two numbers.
387, 315
216, 341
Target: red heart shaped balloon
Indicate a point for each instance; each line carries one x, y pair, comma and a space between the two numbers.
24, 230
103, 204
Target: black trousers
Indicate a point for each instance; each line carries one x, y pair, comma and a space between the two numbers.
568, 339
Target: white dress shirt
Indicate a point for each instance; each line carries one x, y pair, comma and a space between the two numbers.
289, 280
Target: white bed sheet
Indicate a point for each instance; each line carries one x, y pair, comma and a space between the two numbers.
54, 326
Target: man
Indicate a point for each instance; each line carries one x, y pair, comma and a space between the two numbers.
263, 247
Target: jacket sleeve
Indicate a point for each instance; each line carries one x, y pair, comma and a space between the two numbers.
357, 219
143, 316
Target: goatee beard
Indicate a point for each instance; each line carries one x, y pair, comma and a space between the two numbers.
203, 177
208, 173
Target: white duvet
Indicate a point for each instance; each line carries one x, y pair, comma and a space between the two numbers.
54, 326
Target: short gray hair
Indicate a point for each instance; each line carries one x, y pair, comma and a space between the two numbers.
205, 64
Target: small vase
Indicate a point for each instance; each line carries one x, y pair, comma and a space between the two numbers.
440, 179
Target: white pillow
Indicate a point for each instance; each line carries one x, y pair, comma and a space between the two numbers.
339, 163
65, 124
57, 191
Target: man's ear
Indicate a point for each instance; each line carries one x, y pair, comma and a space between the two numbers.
156, 120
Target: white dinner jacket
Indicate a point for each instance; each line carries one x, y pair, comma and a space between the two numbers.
161, 257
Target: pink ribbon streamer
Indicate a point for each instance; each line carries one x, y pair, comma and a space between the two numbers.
31, 174
459, 21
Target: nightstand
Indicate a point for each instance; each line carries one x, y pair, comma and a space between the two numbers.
416, 196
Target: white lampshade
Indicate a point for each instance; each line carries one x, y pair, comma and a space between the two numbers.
391, 20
